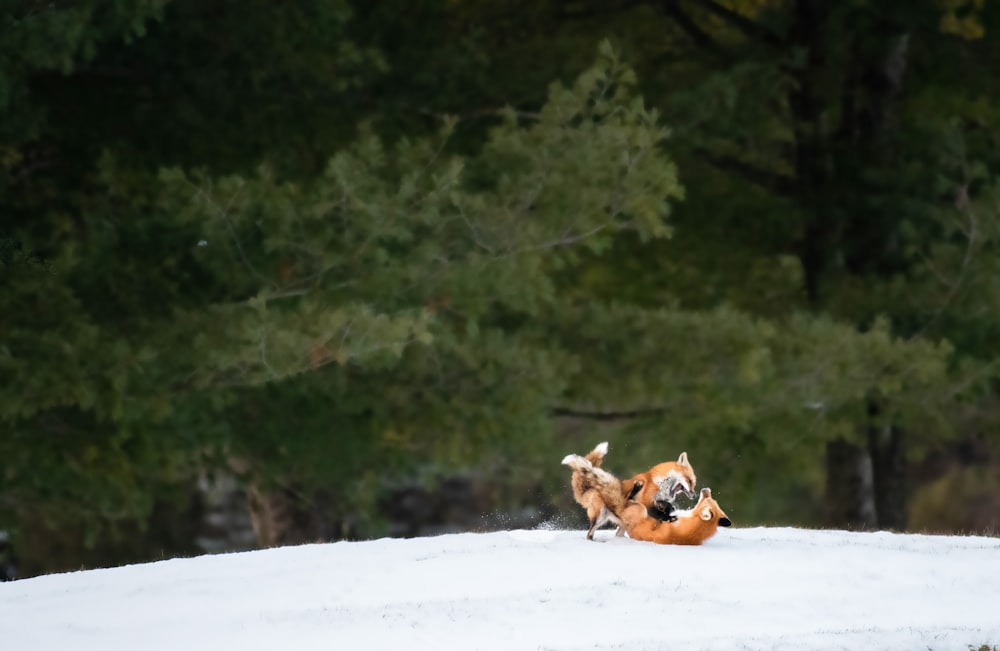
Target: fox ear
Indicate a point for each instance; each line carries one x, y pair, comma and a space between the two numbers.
683, 459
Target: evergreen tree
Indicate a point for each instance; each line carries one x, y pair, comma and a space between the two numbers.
193, 284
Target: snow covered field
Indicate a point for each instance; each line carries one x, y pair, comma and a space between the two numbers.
760, 588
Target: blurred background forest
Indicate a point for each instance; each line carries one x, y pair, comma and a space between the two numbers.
286, 272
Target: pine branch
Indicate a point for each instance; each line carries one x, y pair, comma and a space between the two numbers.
784, 185
608, 415
594, 11
750, 28
700, 37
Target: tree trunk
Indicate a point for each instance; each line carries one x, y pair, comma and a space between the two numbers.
865, 484
890, 473
281, 516
812, 165
849, 498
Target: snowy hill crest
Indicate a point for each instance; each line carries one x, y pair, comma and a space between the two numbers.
761, 588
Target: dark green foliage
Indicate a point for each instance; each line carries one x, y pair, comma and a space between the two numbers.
324, 245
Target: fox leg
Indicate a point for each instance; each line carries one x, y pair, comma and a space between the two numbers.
596, 514
636, 487
603, 517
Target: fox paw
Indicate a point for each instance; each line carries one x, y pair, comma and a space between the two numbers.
662, 511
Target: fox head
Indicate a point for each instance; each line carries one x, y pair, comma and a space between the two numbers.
673, 478
708, 509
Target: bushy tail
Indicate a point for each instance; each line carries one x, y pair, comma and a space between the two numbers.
596, 456
607, 485
576, 462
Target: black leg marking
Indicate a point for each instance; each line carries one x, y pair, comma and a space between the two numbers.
662, 510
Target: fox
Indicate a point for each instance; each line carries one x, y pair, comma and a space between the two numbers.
656, 489
587, 495
692, 527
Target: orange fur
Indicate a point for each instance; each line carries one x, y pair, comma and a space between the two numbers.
590, 499
690, 528
652, 478
646, 483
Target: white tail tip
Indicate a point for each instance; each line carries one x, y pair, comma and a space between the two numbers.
575, 461
602, 448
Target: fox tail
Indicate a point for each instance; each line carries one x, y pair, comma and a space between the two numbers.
596, 456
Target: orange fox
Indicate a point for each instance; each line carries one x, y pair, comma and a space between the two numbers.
690, 528
656, 488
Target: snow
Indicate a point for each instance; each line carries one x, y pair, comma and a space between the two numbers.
751, 588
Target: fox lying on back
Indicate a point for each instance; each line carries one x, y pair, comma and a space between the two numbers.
690, 528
